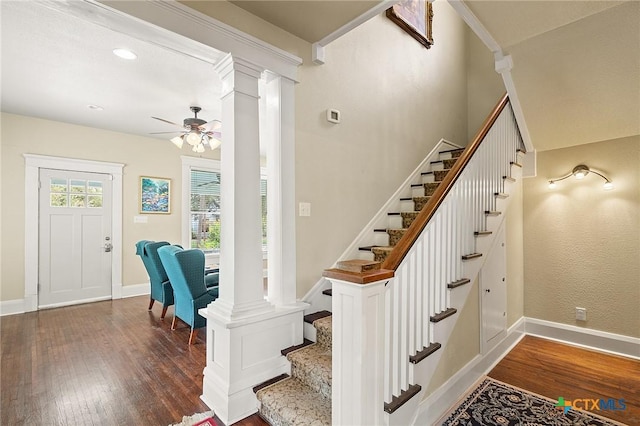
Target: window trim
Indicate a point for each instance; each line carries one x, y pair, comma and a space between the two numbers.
210, 165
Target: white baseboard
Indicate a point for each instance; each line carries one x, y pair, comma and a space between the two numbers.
135, 290
436, 404
19, 306
603, 341
446, 395
12, 307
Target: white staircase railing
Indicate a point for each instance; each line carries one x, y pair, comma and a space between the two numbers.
419, 289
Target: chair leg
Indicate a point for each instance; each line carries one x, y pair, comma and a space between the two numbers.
164, 312
151, 302
193, 335
173, 323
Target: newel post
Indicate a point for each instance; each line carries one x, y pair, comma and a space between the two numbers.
358, 310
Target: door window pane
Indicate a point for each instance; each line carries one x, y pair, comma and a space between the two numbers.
77, 200
94, 201
77, 186
58, 200
58, 185
94, 187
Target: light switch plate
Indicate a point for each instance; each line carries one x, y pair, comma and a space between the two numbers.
304, 209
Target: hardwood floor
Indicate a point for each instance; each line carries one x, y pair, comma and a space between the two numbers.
553, 370
104, 363
115, 363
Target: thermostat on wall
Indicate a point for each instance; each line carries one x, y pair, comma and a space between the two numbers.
333, 116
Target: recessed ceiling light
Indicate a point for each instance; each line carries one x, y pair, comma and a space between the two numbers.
125, 54
95, 107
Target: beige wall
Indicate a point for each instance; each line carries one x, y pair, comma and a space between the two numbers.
397, 100
141, 156
582, 244
464, 343
484, 84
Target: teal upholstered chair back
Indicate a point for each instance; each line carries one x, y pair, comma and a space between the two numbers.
160, 286
185, 269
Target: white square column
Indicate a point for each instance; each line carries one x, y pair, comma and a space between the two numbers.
245, 333
241, 284
281, 208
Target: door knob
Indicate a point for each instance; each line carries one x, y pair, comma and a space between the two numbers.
107, 247
488, 290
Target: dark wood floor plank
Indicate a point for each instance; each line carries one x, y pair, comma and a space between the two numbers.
101, 363
116, 363
553, 369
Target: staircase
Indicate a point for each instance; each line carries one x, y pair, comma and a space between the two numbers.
425, 247
305, 397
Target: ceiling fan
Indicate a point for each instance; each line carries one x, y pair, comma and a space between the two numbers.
196, 132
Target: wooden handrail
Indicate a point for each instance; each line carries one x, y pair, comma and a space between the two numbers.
403, 246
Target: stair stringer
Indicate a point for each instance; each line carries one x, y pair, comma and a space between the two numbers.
314, 297
422, 373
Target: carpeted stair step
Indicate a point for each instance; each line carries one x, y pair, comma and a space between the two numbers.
449, 162
438, 175
292, 402
420, 202
305, 398
312, 366
394, 237
408, 218
430, 188
380, 253
453, 153
358, 265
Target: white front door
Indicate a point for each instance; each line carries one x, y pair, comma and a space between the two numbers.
494, 293
74, 237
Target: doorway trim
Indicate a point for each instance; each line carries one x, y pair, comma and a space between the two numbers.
33, 164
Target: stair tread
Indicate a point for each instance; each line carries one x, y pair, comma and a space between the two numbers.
270, 382
424, 353
328, 292
482, 233
471, 256
442, 315
292, 402
459, 283
311, 318
358, 265
312, 366
399, 401
304, 344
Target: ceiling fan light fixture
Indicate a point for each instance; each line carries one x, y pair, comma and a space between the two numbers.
193, 138
214, 143
177, 141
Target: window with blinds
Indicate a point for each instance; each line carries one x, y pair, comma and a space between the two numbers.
205, 210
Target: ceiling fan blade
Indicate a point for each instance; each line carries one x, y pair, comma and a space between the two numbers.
167, 121
164, 133
210, 126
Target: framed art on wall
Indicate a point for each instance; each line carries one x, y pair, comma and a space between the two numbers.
155, 195
415, 17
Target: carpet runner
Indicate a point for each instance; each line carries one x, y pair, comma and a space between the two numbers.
492, 402
380, 253
305, 397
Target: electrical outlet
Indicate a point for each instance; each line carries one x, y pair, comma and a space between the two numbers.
304, 209
581, 314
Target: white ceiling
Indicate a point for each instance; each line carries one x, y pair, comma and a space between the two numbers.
576, 63
54, 64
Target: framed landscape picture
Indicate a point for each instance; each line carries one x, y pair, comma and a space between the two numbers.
414, 16
155, 195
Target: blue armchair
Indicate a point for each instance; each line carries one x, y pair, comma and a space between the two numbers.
185, 269
160, 287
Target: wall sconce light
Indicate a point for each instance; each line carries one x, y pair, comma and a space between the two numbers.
580, 172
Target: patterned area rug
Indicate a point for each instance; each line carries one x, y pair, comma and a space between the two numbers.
198, 419
492, 402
